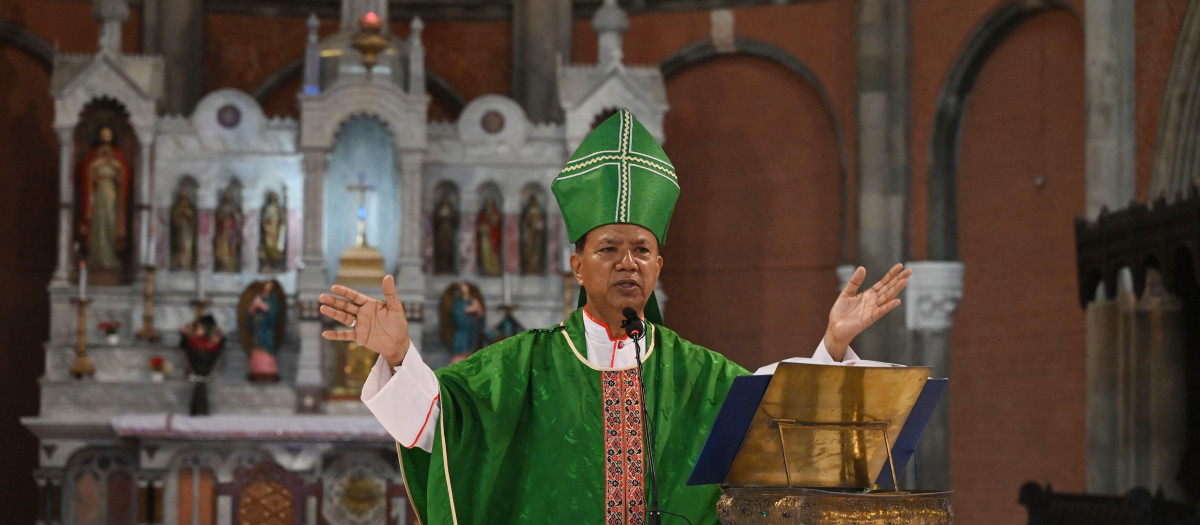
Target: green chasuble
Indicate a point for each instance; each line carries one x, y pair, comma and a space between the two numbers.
530, 432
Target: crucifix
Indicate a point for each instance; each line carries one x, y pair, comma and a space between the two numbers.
361, 189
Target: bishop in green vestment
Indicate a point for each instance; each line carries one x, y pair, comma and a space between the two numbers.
538, 428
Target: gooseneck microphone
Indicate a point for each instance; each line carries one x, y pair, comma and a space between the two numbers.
636, 329
632, 324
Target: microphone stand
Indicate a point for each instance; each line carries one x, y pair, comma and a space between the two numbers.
654, 514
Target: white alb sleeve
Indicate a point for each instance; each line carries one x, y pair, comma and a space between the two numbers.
406, 404
821, 355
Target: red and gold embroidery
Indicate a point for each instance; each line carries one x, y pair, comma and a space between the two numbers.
624, 472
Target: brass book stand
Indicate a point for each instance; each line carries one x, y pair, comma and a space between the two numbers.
819, 440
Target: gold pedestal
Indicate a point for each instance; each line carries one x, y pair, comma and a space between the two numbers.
820, 507
361, 266
82, 367
148, 333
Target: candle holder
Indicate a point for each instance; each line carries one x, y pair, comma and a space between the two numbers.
369, 40
82, 367
200, 306
148, 333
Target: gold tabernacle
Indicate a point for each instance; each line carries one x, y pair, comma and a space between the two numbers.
826, 426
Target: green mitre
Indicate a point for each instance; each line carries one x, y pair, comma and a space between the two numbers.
619, 174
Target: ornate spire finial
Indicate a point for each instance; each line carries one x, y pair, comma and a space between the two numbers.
312, 58
110, 14
313, 24
610, 22
416, 57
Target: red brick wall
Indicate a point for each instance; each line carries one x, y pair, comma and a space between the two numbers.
1158, 24
242, 51
28, 225
68, 23
754, 240
1017, 387
29, 184
941, 28
756, 137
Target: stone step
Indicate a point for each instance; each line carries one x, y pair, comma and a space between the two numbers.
95, 398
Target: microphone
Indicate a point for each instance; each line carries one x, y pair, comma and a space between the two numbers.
636, 329
632, 324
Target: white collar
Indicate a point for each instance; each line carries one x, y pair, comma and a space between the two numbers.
596, 331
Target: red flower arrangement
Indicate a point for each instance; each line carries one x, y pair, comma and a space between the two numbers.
110, 327
158, 364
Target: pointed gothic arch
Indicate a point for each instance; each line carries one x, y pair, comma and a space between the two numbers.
703, 51
27, 42
951, 106
1177, 149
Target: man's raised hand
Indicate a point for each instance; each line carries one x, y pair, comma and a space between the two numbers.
853, 312
381, 327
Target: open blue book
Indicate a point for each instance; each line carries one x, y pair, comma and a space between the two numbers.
742, 403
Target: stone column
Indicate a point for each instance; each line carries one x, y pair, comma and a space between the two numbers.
66, 205
1102, 317
150, 18
1136, 389
310, 283
411, 164
932, 296
145, 192
410, 280
1110, 62
541, 35
180, 41
1161, 352
881, 55
312, 276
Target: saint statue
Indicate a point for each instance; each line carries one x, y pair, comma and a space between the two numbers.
507, 327
462, 320
445, 236
273, 226
488, 229
104, 179
183, 231
227, 237
202, 342
533, 237
260, 313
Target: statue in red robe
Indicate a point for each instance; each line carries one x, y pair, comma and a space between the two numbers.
104, 179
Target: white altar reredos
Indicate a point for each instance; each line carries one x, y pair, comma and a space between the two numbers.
227, 197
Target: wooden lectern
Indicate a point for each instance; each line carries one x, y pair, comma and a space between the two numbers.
816, 444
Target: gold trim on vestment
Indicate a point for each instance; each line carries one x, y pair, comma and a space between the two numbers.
404, 477
582, 358
446, 467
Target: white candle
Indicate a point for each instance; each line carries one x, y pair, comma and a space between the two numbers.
82, 279
199, 284
507, 289
150, 247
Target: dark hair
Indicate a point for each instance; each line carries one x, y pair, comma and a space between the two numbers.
208, 322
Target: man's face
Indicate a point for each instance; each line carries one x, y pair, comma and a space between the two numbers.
618, 267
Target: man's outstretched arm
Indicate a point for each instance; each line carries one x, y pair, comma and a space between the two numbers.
401, 391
